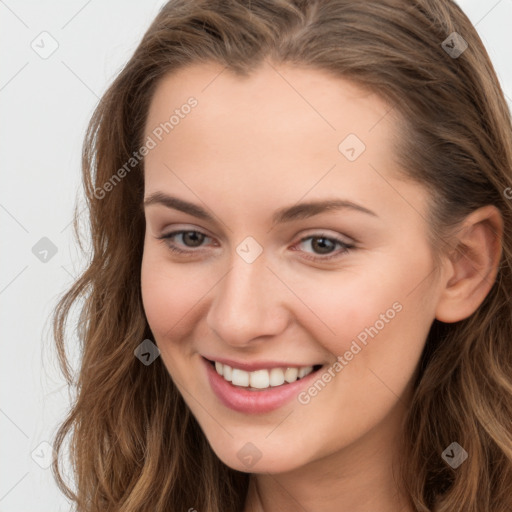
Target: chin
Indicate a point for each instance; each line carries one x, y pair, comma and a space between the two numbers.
251, 459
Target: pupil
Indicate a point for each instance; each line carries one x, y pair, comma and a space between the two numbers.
322, 245
194, 236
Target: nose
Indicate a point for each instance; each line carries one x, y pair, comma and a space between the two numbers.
248, 303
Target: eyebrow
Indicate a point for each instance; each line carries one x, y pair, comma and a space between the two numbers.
292, 213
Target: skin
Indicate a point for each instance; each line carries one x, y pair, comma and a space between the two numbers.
254, 145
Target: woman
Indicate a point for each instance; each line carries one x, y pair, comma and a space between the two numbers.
299, 293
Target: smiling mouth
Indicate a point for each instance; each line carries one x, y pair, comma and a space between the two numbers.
264, 378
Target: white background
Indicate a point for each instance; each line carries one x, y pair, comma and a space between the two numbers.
45, 106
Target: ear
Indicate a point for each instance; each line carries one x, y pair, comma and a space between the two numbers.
472, 265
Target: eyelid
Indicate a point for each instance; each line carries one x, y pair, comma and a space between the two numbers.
316, 232
166, 232
322, 232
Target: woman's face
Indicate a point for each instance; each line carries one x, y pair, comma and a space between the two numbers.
248, 290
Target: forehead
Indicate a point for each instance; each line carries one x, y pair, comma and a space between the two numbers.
271, 97
277, 131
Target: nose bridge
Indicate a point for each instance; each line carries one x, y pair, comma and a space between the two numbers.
246, 302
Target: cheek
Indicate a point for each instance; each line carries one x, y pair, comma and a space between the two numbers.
378, 318
168, 295
341, 307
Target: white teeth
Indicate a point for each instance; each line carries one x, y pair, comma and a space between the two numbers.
240, 378
291, 374
303, 371
227, 372
261, 379
276, 377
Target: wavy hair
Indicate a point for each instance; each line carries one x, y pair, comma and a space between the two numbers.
133, 443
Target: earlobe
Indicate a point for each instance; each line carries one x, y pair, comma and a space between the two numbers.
472, 266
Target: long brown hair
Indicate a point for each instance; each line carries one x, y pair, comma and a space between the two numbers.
134, 445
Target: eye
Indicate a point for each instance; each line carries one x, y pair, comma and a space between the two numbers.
318, 242
325, 245
192, 237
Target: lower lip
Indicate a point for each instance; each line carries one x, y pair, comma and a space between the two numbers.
254, 402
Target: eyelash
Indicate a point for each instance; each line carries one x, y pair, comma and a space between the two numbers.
346, 248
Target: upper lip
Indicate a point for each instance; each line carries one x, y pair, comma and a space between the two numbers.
258, 365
